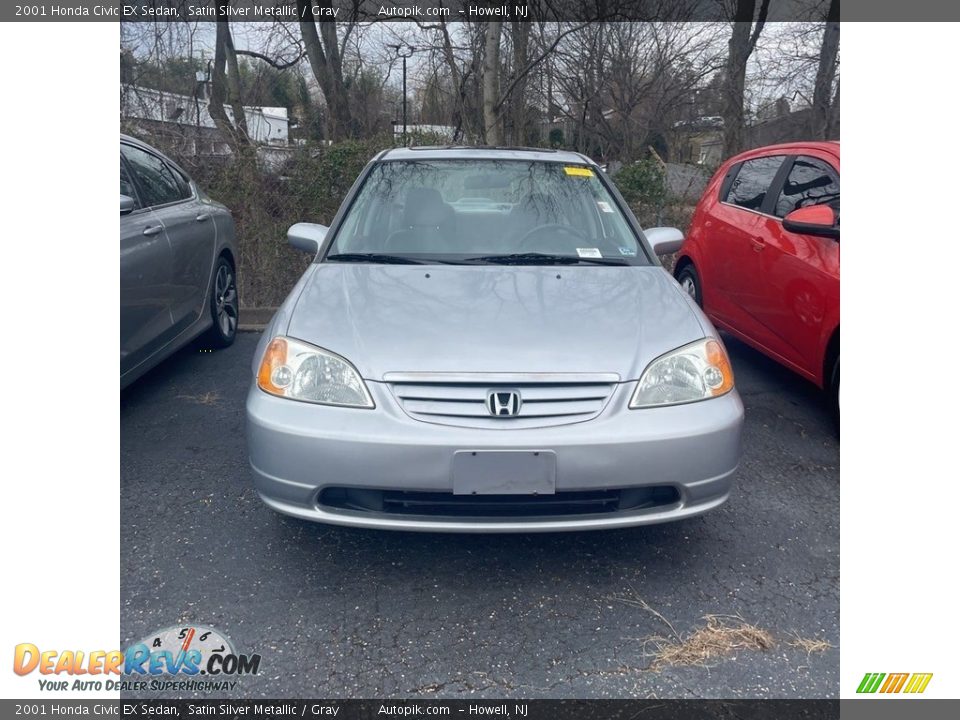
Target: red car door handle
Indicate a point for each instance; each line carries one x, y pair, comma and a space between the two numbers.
152, 230
758, 243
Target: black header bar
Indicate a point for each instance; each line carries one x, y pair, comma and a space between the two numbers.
432, 11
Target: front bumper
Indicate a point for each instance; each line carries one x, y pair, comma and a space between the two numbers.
297, 450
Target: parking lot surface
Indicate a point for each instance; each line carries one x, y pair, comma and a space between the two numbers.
339, 612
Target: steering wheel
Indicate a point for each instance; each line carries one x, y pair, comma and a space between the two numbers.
534, 233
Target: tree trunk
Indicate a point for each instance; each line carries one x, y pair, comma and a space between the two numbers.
733, 89
826, 71
741, 45
327, 67
833, 124
492, 128
520, 31
233, 85
460, 119
225, 88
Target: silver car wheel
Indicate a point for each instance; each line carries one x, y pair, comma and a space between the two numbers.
225, 293
689, 286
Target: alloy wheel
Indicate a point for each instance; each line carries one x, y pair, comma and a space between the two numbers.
225, 294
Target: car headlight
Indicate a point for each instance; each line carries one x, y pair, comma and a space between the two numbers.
697, 371
299, 371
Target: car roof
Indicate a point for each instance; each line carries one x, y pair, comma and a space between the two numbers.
130, 140
830, 146
483, 152
136, 141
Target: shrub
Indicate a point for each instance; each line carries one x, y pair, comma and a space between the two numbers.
307, 186
644, 186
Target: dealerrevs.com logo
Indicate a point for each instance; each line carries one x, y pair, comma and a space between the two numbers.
176, 658
909, 683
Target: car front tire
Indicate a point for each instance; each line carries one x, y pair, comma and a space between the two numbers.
690, 282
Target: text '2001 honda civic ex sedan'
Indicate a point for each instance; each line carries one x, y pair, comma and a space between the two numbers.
487, 342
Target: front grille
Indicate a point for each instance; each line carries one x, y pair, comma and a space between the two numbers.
545, 400
438, 505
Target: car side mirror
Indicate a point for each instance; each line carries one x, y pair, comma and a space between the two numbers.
665, 240
127, 204
819, 220
307, 236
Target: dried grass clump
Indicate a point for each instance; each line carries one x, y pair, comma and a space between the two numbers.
722, 636
810, 645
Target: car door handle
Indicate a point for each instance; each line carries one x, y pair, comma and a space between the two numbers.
152, 230
203, 216
758, 243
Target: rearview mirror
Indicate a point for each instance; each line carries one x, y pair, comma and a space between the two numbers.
127, 204
307, 236
665, 240
819, 220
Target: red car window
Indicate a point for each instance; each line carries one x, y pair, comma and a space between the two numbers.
749, 188
810, 182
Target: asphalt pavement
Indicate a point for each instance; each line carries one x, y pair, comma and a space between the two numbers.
338, 612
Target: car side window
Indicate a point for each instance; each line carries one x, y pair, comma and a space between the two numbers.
810, 182
126, 185
183, 182
157, 183
749, 188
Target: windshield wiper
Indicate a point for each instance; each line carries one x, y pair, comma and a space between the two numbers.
373, 258
534, 258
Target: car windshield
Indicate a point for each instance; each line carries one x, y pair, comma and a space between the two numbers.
485, 212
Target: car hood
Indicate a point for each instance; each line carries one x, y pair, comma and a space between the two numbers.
493, 319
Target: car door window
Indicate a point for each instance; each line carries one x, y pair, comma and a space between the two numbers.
126, 185
157, 183
810, 182
183, 183
749, 188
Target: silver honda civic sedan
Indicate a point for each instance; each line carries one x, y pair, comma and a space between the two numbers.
486, 342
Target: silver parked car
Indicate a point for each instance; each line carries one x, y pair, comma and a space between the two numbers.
487, 342
177, 262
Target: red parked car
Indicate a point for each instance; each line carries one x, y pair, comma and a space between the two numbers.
762, 256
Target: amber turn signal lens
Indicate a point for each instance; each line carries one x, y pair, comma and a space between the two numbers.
274, 357
717, 357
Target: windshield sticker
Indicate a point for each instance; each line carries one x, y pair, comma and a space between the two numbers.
604, 206
589, 252
578, 171
629, 252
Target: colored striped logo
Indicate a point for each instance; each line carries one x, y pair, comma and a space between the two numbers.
894, 682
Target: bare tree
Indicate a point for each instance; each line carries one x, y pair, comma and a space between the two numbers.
743, 40
326, 63
461, 74
821, 121
833, 121
492, 125
623, 86
225, 87
520, 39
